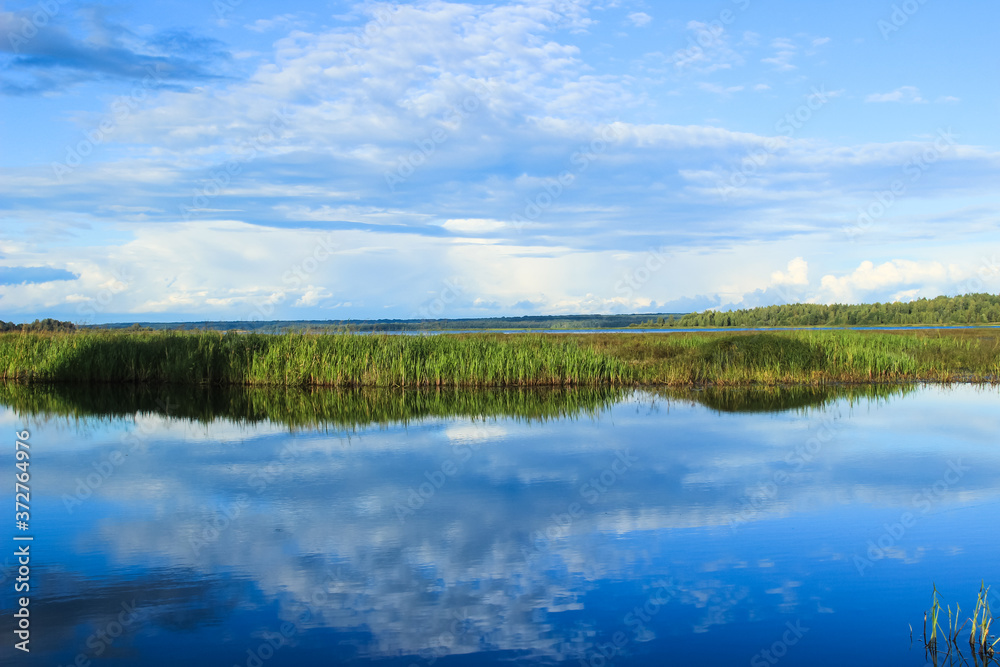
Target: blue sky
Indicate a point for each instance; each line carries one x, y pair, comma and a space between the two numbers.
248, 160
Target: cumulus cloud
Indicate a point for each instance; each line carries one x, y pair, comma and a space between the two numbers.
890, 276
312, 296
640, 19
797, 274
419, 155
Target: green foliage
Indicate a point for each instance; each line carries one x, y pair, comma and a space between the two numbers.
982, 643
48, 324
968, 309
496, 360
305, 360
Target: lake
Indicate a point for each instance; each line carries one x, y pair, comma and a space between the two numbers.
593, 527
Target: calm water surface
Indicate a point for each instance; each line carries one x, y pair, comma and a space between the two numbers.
594, 528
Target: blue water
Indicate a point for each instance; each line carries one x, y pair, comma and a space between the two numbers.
654, 531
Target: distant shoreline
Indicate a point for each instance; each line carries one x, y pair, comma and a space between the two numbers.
980, 309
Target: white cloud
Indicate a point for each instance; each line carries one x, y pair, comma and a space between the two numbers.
888, 276
480, 116
798, 274
905, 295
719, 90
903, 94
281, 22
640, 19
312, 296
709, 50
475, 225
785, 50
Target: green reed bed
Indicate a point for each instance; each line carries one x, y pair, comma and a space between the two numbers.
492, 360
806, 357
306, 360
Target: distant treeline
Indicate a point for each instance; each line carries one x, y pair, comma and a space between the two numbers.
48, 324
967, 309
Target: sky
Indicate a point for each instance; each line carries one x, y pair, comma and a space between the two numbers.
256, 160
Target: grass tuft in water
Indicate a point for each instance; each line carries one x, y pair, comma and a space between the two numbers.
981, 643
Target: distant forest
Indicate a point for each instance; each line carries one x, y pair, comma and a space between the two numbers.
967, 309
48, 324
943, 310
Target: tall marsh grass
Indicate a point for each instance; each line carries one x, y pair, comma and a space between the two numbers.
306, 360
481, 360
